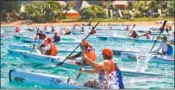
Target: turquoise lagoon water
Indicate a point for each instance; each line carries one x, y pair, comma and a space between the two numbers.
9, 62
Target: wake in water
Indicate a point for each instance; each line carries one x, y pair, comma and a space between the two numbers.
142, 61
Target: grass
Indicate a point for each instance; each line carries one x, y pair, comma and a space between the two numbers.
144, 19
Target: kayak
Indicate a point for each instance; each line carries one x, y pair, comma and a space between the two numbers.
45, 59
128, 39
29, 40
163, 59
30, 49
21, 37
49, 80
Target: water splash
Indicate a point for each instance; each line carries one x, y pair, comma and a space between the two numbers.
142, 61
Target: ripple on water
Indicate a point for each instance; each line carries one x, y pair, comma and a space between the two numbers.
9, 62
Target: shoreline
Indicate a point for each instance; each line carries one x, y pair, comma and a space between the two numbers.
146, 23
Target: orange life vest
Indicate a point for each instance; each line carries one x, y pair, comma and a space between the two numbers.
53, 50
45, 43
90, 53
112, 65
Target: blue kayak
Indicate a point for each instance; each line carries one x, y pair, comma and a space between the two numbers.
30, 49
30, 40
128, 39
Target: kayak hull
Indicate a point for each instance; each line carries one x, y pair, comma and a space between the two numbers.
28, 48
53, 81
126, 39
28, 40
44, 59
154, 59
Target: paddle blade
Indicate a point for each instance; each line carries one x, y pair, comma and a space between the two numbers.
59, 64
162, 29
93, 32
78, 75
133, 26
89, 24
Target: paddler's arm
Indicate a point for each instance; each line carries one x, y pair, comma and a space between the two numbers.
88, 71
156, 51
75, 56
97, 66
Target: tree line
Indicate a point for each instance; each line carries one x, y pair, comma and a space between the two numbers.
44, 11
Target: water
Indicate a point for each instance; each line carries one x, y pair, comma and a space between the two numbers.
9, 62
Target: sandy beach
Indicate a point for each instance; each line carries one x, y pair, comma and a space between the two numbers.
71, 23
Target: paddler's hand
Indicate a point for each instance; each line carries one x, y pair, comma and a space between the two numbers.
81, 70
69, 57
85, 57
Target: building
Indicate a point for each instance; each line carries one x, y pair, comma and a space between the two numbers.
120, 4
72, 14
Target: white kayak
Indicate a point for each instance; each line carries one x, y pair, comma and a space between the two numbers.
29, 48
29, 40
50, 80
45, 59
128, 39
163, 59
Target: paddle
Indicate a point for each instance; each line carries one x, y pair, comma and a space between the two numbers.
132, 28
59, 64
162, 29
36, 35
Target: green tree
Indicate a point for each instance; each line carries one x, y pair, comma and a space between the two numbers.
8, 7
92, 12
44, 11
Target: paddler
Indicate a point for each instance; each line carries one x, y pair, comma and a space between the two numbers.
56, 37
110, 76
127, 28
165, 45
133, 34
45, 27
66, 31
49, 48
53, 29
17, 29
168, 28
41, 37
87, 49
36, 50
148, 34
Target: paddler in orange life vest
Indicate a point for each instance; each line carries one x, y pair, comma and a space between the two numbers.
87, 49
17, 29
110, 76
49, 48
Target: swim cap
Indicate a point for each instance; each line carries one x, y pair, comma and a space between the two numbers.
107, 51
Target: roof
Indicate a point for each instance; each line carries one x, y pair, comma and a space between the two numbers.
84, 4
71, 11
120, 3
63, 3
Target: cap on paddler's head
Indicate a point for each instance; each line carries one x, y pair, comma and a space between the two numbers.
84, 43
107, 51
